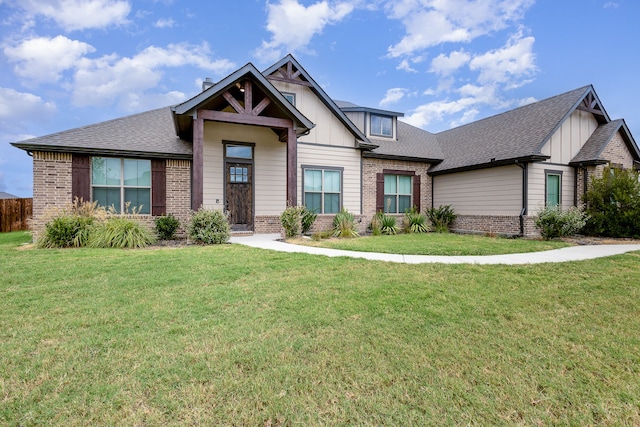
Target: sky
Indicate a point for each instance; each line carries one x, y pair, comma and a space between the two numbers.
443, 63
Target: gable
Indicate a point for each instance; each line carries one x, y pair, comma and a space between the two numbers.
568, 140
246, 97
291, 77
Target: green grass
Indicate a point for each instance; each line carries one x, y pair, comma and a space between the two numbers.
229, 335
437, 244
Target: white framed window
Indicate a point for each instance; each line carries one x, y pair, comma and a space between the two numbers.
381, 125
117, 182
397, 193
322, 190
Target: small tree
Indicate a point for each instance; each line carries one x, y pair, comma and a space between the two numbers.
613, 204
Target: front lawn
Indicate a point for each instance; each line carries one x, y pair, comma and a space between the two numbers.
230, 335
436, 244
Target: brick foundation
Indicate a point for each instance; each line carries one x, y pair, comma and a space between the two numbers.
508, 225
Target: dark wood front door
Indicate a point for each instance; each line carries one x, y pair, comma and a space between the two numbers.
239, 195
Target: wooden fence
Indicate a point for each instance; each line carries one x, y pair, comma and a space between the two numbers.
14, 214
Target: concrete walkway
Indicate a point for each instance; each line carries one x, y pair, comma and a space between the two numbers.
571, 253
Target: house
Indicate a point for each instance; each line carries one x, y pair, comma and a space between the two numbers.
255, 142
4, 195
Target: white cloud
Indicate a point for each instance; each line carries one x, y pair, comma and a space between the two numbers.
515, 60
112, 79
393, 95
445, 65
611, 5
165, 23
430, 23
436, 111
404, 66
80, 14
43, 59
292, 25
17, 107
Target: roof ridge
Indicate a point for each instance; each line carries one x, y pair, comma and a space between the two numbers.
512, 110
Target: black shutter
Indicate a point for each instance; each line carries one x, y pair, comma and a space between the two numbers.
379, 192
416, 192
158, 187
80, 178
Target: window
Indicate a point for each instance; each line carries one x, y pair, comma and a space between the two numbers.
239, 151
381, 125
322, 190
553, 186
238, 174
116, 182
397, 193
291, 97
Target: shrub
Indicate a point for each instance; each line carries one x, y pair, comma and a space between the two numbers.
166, 226
291, 221
208, 227
71, 225
307, 219
119, 232
376, 224
388, 224
613, 204
65, 231
441, 217
415, 222
553, 222
344, 224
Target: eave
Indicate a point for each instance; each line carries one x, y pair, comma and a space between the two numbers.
492, 164
30, 148
373, 155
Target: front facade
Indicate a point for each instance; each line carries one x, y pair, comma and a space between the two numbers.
256, 142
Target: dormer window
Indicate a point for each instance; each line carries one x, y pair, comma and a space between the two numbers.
381, 125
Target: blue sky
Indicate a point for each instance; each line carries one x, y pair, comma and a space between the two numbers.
443, 63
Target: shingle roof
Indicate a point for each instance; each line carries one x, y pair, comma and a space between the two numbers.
4, 195
148, 134
412, 143
592, 149
515, 134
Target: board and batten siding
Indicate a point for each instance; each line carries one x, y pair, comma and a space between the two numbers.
329, 129
337, 157
269, 171
567, 141
537, 176
492, 191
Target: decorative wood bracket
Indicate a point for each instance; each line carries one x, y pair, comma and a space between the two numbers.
590, 104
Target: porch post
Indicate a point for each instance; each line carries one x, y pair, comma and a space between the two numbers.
292, 167
197, 187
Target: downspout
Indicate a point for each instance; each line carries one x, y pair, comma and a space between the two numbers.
575, 185
433, 184
525, 195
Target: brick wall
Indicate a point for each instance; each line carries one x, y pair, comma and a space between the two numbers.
494, 224
371, 167
617, 152
51, 186
179, 191
267, 224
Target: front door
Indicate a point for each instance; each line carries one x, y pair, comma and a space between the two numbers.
239, 195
